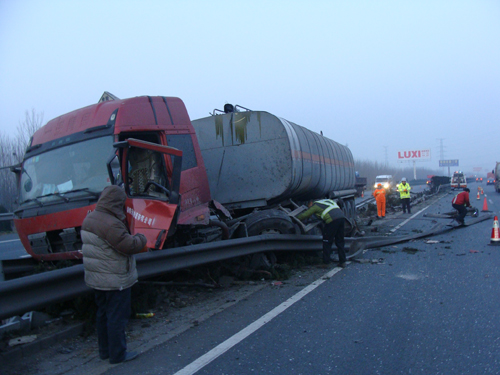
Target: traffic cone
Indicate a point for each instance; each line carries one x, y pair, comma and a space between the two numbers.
482, 191
485, 206
478, 196
495, 233
362, 194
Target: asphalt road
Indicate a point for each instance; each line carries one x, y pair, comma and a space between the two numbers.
426, 308
11, 247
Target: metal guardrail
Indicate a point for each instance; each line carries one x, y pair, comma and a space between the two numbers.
6, 216
365, 202
37, 291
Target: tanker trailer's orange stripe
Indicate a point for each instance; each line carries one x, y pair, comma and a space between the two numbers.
317, 159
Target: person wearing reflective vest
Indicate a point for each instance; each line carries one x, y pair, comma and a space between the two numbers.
333, 217
379, 195
404, 193
459, 203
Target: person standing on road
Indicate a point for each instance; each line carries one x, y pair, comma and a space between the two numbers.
404, 193
459, 203
333, 216
379, 195
110, 270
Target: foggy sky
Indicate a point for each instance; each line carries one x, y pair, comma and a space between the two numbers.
379, 76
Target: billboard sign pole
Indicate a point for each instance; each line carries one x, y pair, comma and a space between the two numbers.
448, 163
414, 156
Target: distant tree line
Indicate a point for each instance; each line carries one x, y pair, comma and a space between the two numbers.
12, 150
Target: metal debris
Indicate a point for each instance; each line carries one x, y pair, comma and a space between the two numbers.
22, 340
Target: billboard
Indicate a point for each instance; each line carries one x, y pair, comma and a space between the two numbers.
448, 163
414, 155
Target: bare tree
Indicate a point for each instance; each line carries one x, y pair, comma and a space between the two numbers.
32, 122
12, 153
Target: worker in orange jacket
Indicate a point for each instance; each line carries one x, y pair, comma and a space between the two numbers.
379, 195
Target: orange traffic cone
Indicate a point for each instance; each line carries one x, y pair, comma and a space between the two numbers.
482, 191
478, 196
485, 206
362, 194
495, 233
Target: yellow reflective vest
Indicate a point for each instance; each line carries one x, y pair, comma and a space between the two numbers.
323, 209
404, 190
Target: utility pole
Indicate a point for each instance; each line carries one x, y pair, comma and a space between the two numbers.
386, 157
441, 153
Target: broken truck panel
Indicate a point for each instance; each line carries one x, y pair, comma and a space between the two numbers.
153, 188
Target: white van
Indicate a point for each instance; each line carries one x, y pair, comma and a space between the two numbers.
385, 180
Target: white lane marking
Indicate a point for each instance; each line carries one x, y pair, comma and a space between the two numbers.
9, 241
248, 330
407, 220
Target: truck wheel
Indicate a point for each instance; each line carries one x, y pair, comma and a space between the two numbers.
269, 222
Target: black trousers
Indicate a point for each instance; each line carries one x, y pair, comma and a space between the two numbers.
334, 231
462, 211
113, 311
406, 205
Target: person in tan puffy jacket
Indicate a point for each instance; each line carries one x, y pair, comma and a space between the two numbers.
110, 270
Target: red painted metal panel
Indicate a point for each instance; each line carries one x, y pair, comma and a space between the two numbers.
149, 217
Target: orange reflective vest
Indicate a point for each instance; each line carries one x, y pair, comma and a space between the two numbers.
379, 195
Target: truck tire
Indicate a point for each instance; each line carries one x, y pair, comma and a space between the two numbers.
269, 222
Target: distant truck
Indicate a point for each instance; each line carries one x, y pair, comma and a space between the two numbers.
458, 180
229, 175
490, 178
360, 184
436, 181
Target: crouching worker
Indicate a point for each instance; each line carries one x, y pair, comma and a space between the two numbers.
333, 217
110, 270
459, 203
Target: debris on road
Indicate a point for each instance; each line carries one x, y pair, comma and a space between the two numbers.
410, 250
22, 340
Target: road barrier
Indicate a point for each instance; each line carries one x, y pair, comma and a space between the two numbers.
37, 291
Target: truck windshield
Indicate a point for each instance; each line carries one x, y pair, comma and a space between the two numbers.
77, 167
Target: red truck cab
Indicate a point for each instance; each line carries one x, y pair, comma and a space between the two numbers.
146, 144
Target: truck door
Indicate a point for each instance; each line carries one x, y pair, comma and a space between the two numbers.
151, 178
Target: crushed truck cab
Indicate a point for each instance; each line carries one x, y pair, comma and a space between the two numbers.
72, 158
